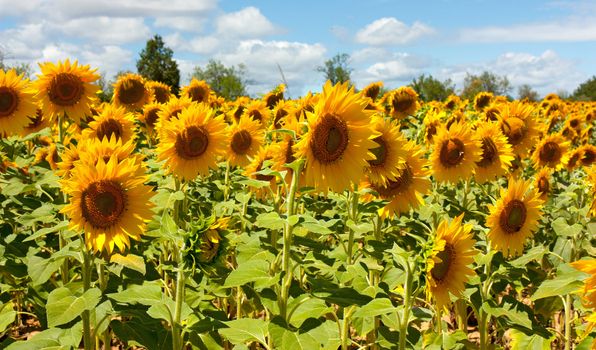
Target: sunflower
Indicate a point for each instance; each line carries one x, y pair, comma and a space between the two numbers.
405, 191
246, 138
574, 121
497, 154
551, 152
90, 151
257, 110
197, 91
518, 125
66, 89
68, 157
48, 153
108, 202
338, 140
280, 113
403, 101
482, 100
257, 164
16, 103
447, 267
283, 153
588, 266
389, 155
588, 154
452, 102
373, 90
112, 121
237, 107
491, 113
159, 92
171, 110
542, 183
37, 122
305, 104
274, 96
573, 159
456, 153
514, 217
131, 92
192, 143
151, 115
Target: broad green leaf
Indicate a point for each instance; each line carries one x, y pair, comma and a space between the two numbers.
7, 315
444, 340
563, 229
270, 220
522, 341
131, 261
535, 253
376, 307
47, 230
568, 280
311, 308
52, 339
245, 330
41, 269
250, 271
149, 293
508, 311
63, 306
285, 339
165, 310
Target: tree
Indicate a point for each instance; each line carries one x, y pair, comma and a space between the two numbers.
156, 63
20, 67
526, 92
337, 69
487, 81
431, 89
586, 91
227, 82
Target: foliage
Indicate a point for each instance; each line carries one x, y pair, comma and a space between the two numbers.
337, 69
586, 91
156, 63
227, 82
525, 92
431, 89
486, 81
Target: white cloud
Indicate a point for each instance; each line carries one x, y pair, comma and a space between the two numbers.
390, 31
246, 23
18, 8
571, 30
106, 30
547, 72
391, 68
298, 62
182, 23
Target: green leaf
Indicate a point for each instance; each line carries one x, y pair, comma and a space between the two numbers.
522, 341
131, 261
535, 253
510, 312
63, 306
250, 271
52, 339
245, 330
560, 285
563, 229
311, 308
47, 230
270, 220
149, 293
165, 310
376, 307
7, 315
41, 269
285, 339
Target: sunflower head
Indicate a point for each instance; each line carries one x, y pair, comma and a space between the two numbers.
257, 110
482, 100
447, 268
205, 241
160, 92
373, 90
497, 153
588, 155
518, 125
16, 103
542, 183
197, 91
274, 96
551, 152
114, 122
456, 152
131, 92
151, 115
452, 102
404, 102
389, 154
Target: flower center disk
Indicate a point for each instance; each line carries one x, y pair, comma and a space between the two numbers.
241, 142
513, 216
489, 152
108, 128
192, 142
132, 91
441, 269
452, 152
102, 203
379, 152
66, 89
550, 152
9, 101
330, 139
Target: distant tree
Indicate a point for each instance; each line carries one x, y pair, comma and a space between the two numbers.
107, 89
487, 81
431, 89
525, 91
227, 82
586, 91
156, 63
20, 67
337, 69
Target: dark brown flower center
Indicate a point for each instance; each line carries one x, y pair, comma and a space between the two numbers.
198, 94
451, 153
35, 121
513, 216
66, 89
440, 271
192, 142
272, 99
550, 152
489, 152
162, 95
330, 139
372, 92
515, 130
588, 157
279, 117
379, 152
431, 131
543, 185
108, 128
151, 117
238, 112
241, 142
403, 103
132, 91
289, 152
262, 177
9, 101
399, 185
102, 203
255, 115
482, 101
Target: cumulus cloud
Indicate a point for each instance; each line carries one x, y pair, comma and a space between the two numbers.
297, 61
390, 31
393, 68
546, 72
571, 30
181, 23
105, 30
246, 23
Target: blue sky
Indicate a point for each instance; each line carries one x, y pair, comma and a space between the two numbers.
550, 45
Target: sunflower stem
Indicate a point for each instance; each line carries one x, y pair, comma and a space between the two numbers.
461, 314
407, 306
177, 336
345, 328
287, 244
466, 192
567, 323
352, 215
227, 182
88, 341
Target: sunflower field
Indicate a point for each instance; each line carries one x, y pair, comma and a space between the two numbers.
343, 219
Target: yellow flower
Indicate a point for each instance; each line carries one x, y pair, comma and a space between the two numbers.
66, 89
113, 121
447, 268
16, 103
246, 139
518, 125
403, 101
197, 91
389, 155
551, 152
456, 152
542, 183
131, 92
160, 92
497, 153
514, 217
482, 100
336, 146
192, 143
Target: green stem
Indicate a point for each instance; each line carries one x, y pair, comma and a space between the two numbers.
177, 337
461, 314
227, 182
239, 302
482, 329
407, 306
466, 192
353, 215
86, 274
287, 244
567, 323
345, 328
